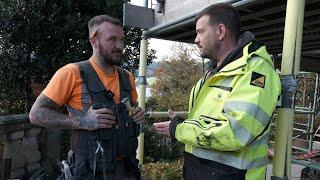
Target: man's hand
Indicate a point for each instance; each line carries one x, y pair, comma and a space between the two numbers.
164, 127
171, 114
97, 119
138, 115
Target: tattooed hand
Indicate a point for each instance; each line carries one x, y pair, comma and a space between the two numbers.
97, 119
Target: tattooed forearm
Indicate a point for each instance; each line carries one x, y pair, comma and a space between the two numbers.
87, 124
45, 112
45, 102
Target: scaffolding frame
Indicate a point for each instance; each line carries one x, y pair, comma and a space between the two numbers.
305, 133
312, 111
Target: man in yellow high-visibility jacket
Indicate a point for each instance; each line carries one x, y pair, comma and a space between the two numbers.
227, 131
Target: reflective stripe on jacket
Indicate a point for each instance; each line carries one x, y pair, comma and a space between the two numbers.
229, 113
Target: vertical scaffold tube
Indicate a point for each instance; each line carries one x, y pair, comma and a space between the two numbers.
289, 69
142, 81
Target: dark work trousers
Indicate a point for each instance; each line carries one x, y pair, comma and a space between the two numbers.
195, 168
121, 173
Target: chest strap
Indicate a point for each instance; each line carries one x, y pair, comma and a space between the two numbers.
96, 89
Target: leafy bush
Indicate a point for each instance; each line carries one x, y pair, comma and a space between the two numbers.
158, 148
163, 171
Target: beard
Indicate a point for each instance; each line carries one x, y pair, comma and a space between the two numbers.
109, 59
210, 50
203, 54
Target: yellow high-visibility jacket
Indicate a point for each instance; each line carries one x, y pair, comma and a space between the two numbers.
230, 112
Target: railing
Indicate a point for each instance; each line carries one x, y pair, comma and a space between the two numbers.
26, 148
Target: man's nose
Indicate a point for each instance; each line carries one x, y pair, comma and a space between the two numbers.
119, 44
196, 40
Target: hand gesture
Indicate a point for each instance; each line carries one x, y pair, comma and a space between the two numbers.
97, 119
164, 127
171, 114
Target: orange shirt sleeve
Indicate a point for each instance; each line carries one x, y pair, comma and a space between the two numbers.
62, 84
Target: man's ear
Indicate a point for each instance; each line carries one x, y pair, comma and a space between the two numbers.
94, 42
221, 31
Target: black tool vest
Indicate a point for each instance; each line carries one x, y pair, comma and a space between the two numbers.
118, 142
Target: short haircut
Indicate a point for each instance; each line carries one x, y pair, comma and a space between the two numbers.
95, 22
225, 14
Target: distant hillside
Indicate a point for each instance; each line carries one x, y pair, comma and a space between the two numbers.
151, 68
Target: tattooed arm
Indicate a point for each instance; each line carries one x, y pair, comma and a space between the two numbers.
45, 112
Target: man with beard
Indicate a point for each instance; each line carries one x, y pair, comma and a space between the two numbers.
227, 130
98, 95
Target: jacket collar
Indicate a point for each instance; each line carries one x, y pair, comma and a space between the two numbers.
247, 47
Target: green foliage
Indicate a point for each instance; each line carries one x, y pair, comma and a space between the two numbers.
163, 171
159, 148
37, 37
174, 79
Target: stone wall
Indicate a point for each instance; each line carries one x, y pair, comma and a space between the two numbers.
26, 148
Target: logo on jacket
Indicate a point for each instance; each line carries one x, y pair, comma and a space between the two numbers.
257, 79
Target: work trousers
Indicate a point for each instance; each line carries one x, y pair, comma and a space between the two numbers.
121, 172
195, 168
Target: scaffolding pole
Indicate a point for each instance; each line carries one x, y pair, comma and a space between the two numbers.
164, 114
314, 109
142, 82
289, 70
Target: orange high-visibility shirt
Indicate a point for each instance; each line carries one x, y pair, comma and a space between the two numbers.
65, 85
